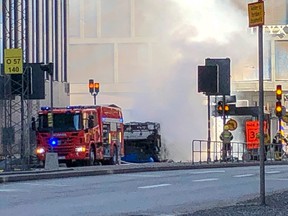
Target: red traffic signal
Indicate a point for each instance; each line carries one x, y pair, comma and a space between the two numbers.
279, 92
278, 109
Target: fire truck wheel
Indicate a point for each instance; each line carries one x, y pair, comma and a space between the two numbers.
91, 160
113, 160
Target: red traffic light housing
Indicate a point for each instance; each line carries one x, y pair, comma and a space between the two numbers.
279, 92
278, 109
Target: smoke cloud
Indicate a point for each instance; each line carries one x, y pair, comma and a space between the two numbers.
168, 89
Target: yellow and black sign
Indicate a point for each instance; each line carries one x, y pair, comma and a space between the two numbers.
13, 61
232, 124
256, 14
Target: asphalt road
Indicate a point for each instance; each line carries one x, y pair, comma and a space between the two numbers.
149, 193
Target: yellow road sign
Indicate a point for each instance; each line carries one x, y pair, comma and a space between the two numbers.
13, 61
232, 124
256, 14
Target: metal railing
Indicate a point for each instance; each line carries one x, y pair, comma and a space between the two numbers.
238, 153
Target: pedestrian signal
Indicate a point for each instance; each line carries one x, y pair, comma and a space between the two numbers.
279, 92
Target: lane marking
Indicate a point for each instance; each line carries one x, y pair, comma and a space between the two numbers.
38, 184
211, 171
272, 172
244, 175
278, 179
203, 180
138, 175
12, 190
153, 186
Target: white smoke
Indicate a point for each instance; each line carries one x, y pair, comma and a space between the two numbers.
167, 93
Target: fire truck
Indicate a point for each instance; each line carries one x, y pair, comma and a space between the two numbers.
142, 142
86, 134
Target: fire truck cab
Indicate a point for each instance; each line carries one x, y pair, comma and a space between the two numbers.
87, 134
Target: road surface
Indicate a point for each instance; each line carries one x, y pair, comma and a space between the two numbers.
149, 193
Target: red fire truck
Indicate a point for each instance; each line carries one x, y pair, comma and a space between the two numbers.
87, 134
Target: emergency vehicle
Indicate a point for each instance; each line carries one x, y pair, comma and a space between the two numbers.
87, 134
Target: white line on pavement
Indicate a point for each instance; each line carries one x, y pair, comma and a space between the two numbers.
243, 175
153, 186
278, 179
12, 190
139, 175
272, 172
209, 171
52, 185
203, 180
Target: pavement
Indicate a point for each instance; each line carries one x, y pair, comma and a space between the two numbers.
64, 172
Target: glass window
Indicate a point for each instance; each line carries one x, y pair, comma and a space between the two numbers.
281, 59
62, 122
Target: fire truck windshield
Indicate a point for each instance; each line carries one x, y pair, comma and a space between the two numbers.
61, 122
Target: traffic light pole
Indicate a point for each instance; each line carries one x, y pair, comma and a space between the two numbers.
223, 115
94, 96
209, 132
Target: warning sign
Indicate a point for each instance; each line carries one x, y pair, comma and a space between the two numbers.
256, 14
232, 124
252, 131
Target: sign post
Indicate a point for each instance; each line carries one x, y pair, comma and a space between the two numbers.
256, 18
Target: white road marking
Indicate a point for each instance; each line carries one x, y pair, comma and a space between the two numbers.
243, 175
139, 175
51, 185
210, 171
154, 186
12, 190
203, 180
278, 179
272, 172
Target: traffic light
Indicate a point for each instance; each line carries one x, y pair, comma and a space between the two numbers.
91, 86
47, 67
279, 92
96, 87
278, 109
226, 109
220, 107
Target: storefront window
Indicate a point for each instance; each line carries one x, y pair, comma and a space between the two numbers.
281, 59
